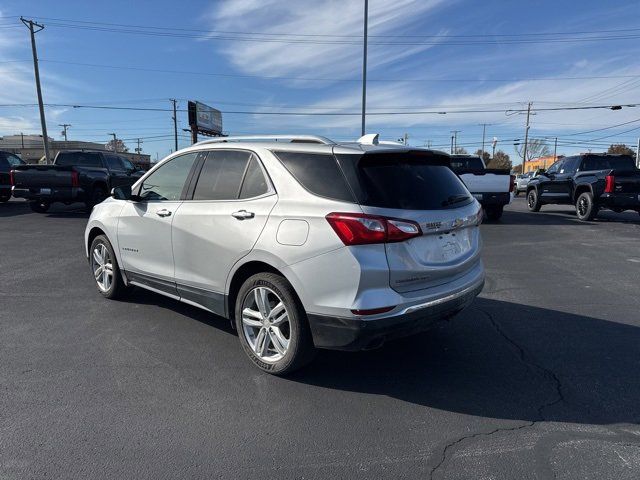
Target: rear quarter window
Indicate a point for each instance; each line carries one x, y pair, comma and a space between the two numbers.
318, 173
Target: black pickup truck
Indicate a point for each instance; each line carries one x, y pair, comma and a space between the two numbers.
75, 176
8, 161
590, 182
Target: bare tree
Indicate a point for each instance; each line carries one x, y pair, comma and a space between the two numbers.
484, 155
460, 151
121, 147
535, 148
500, 160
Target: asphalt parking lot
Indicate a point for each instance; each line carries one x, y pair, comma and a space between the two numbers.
538, 379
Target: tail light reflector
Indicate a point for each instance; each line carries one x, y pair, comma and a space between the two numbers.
363, 229
11, 179
609, 184
373, 311
75, 180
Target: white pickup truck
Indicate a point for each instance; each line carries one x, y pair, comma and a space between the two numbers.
493, 188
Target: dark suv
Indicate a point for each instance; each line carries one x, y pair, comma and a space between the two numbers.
590, 182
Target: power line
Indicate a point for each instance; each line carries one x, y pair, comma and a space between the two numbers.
325, 79
157, 32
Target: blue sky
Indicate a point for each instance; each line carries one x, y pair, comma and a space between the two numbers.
450, 64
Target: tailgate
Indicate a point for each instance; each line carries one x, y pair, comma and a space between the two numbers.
483, 182
37, 176
627, 182
448, 248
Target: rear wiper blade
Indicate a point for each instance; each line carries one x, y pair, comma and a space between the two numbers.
455, 199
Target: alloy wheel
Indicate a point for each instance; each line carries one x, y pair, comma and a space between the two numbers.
265, 324
102, 266
582, 206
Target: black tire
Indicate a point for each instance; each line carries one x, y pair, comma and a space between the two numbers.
39, 207
533, 201
586, 209
116, 288
299, 350
98, 194
494, 212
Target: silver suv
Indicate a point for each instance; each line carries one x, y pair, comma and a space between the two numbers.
301, 242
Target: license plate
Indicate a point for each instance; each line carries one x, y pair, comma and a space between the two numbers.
449, 249
45, 191
477, 196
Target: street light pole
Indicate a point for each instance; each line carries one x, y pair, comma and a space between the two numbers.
31, 25
364, 68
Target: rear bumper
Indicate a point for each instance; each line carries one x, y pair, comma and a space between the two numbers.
626, 201
488, 199
360, 334
57, 194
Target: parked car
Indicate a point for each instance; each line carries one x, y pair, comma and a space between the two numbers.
491, 187
75, 176
521, 183
302, 243
590, 182
7, 162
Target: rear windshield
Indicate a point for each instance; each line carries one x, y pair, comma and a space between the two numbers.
404, 180
82, 159
593, 162
466, 163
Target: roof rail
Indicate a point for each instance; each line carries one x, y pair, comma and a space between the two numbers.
270, 138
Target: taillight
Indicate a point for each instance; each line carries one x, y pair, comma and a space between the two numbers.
11, 179
609, 184
512, 183
363, 229
75, 179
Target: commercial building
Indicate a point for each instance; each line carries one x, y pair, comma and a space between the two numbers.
31, 149
541, 162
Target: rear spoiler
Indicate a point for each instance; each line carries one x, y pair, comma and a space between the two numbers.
406, 155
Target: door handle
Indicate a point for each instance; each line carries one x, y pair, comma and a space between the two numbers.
242, 215
163, 213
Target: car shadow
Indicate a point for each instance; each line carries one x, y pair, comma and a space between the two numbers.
15, 208
502, 360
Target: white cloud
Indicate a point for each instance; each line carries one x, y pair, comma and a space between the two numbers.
321, 17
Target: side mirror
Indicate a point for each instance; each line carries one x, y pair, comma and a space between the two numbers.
124, 193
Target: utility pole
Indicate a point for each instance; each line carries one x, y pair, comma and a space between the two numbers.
175, 124
115, 142
451, 150
526, 139
484, 128
364, 67
555, 149
33, 29
64, 131
455, 133
138, 149
22, 139
638, 154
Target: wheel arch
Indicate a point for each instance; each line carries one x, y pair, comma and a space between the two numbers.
580, 189
241, 272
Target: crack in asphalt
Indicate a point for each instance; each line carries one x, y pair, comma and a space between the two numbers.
531, 365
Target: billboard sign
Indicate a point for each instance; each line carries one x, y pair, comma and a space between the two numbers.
205, 119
